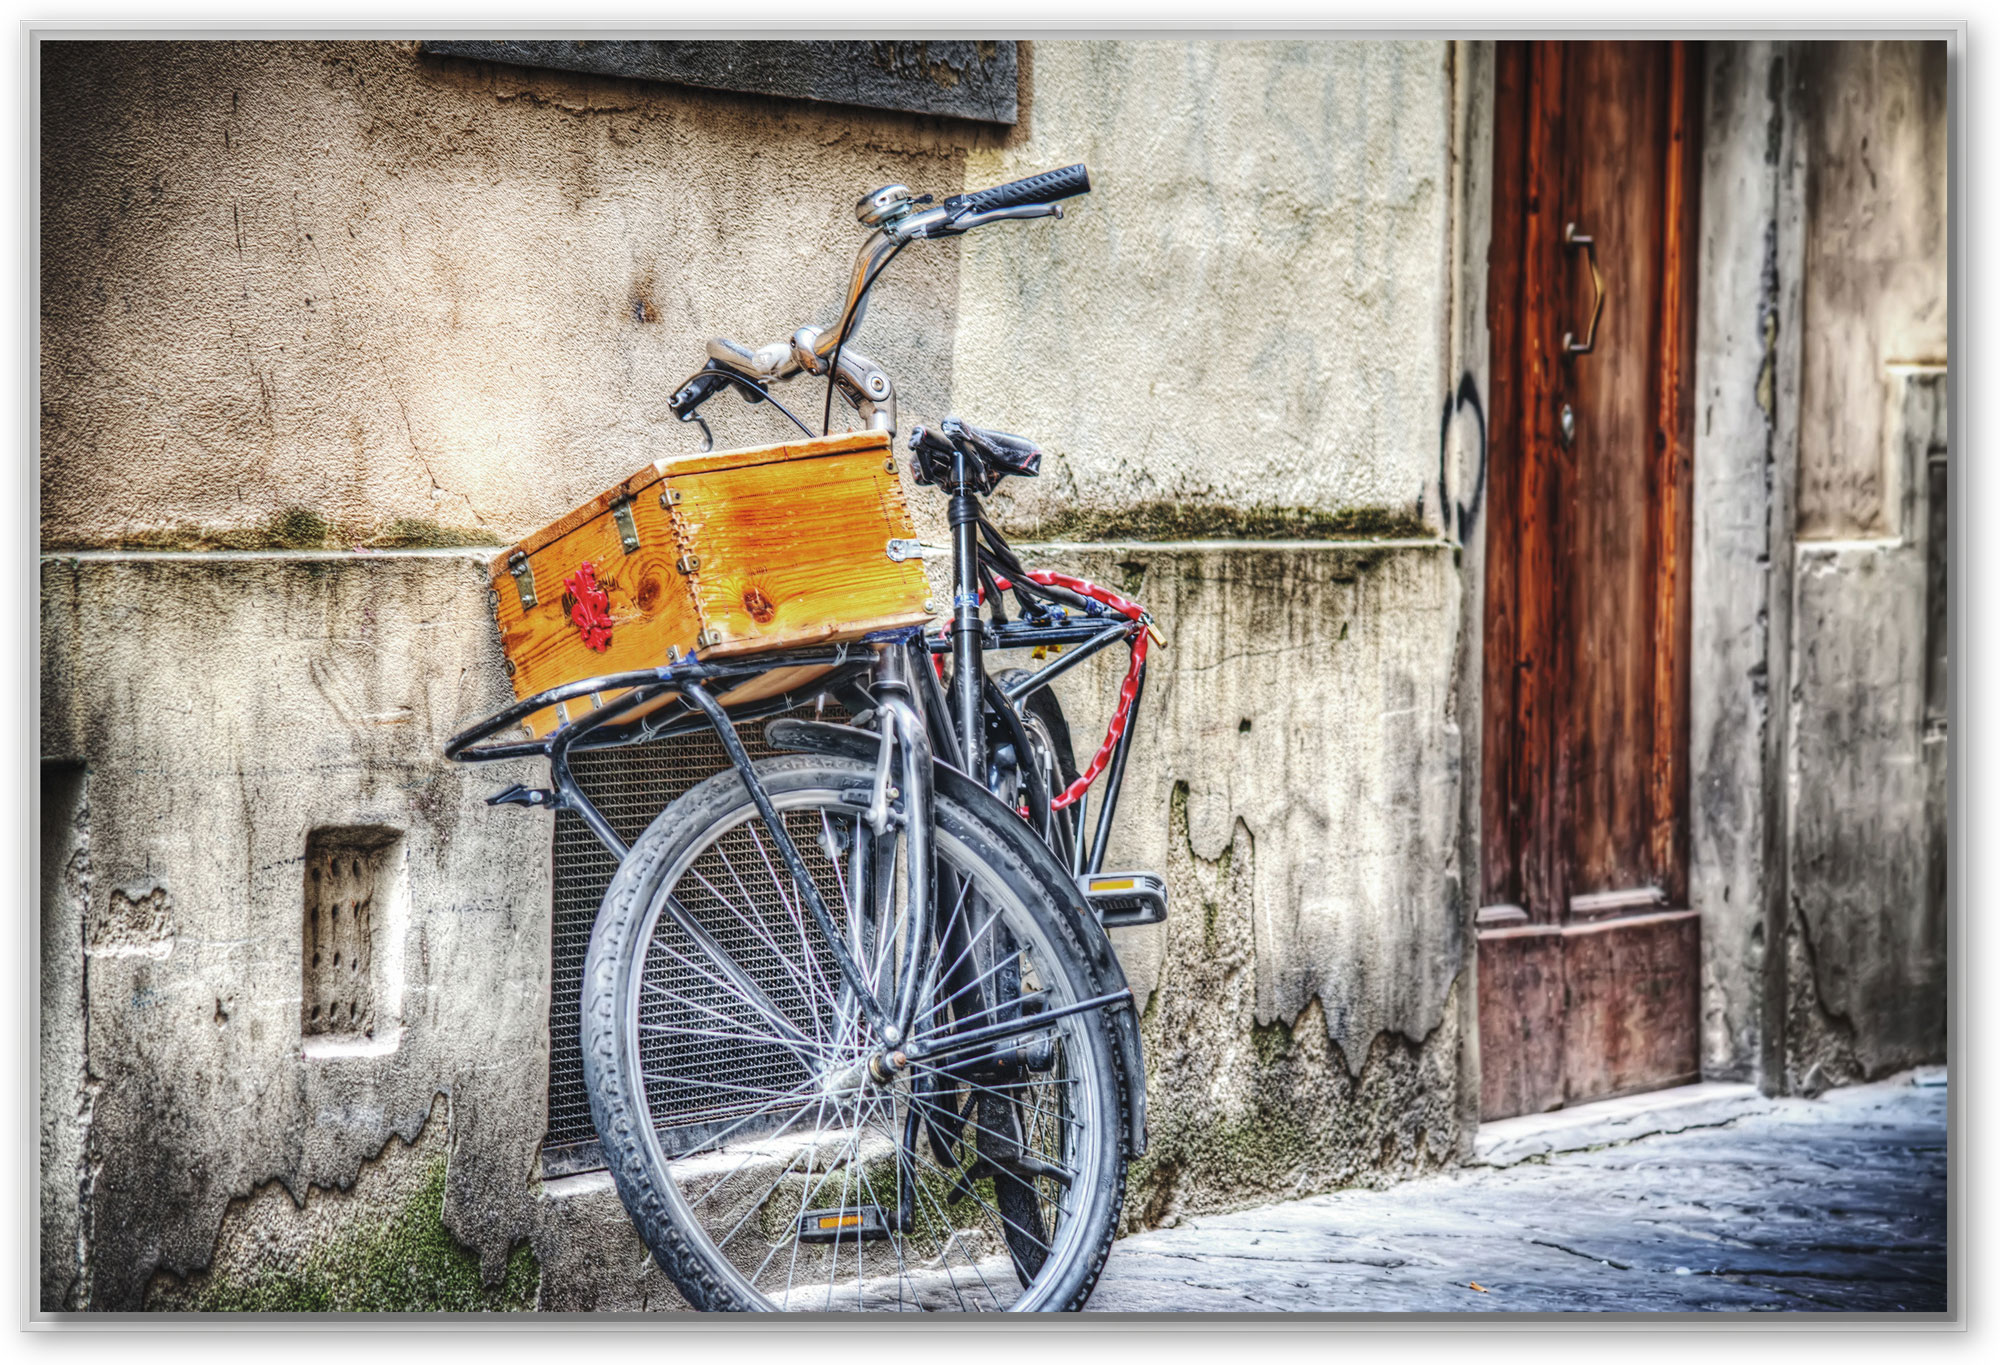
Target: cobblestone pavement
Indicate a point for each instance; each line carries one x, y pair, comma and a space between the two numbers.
1826, 1205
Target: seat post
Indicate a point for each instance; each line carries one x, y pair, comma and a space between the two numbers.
968, 666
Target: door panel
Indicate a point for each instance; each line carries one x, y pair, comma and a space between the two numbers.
1585, 725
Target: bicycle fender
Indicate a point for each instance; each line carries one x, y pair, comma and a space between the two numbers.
844, 741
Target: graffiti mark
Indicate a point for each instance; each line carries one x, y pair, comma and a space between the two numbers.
1465, 399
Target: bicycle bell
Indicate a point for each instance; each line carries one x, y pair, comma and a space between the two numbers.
890, 204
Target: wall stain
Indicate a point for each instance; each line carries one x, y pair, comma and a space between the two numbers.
1820, 1050
1466, 398
356, 1250
1240, 1113
1166, 521
294, 528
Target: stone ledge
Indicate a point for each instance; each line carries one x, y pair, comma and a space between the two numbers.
1193, 546
1708, 1104
481, 553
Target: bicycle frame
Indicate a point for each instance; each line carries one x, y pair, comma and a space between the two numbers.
910, 714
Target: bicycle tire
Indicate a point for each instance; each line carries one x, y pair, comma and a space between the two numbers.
1048, 728
660, 1175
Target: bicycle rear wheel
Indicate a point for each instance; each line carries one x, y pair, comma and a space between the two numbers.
721, 1054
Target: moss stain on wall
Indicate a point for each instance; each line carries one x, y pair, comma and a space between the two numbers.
294, 528
412, 1265
1242, 1112
380, 1246
1169, 521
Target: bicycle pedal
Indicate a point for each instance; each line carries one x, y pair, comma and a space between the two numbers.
862, 1223
1125, 899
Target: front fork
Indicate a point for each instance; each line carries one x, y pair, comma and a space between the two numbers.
906, 754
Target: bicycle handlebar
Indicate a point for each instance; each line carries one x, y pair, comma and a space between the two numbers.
898, 219
1045, 188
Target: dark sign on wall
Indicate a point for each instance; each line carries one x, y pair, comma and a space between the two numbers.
957, 78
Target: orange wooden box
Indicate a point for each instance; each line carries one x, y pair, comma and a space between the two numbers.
726, 553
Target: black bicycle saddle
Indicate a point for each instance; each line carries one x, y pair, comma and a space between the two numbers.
997, 453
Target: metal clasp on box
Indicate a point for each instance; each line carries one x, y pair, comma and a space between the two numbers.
524, 577
901, 549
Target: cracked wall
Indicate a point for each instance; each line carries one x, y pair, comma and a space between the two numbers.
1820, 723
1295, 773
311, 296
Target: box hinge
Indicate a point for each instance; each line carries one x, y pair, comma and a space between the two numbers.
688, 563
628, 529
524, 577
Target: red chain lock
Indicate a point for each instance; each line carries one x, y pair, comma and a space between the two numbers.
1128, 691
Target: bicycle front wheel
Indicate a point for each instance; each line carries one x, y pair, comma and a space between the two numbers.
762, 1162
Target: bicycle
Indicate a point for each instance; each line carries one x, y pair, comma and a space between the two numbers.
854, 1034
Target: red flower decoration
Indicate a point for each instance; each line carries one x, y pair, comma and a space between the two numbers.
589, 607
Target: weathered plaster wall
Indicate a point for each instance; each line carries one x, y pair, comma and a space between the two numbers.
326, 294
1865, 925
1248, 311
1301, 1019
63, 1085
380, 1245
1872, 116
1250, 325
1866, 935
333, 293
1819, 716
1745, 467
1295, 775
1461, 507
224, 708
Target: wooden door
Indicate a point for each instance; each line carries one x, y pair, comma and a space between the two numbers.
1589, 960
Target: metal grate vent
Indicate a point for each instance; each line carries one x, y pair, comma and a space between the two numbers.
630, 786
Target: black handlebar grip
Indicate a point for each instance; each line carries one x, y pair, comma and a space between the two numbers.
1045, 188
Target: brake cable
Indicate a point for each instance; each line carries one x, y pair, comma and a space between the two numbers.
860, 303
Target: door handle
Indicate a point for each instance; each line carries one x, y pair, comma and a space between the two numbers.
1572, 239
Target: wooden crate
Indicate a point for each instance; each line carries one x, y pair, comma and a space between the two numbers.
723, 554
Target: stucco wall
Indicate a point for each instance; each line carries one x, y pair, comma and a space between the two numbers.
1865, 930
1295, 775
1248, 313
1873, 118
1866, 937
1745, 472
341, 293
302, 295
1820, 723
224, 708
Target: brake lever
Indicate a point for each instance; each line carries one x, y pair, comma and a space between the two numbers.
954, 225
701, 386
